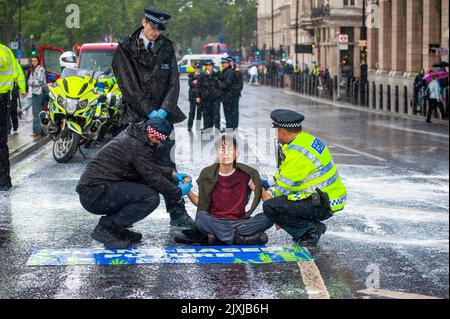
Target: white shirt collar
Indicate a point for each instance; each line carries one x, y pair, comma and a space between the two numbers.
146, 41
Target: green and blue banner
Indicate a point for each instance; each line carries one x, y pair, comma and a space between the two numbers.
169, 255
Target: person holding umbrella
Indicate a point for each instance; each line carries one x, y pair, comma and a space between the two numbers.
435, 98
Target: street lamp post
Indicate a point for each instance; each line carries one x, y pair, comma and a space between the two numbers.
273, 45
363, 54
296, 34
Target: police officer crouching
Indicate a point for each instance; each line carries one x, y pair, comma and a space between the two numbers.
194, 97
123, 182
307, 188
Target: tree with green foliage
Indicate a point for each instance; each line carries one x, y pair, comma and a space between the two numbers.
193, 21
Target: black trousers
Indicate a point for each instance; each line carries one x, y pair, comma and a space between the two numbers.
13, 119
228, 109
433, 104
122, 204
295, 217
235, 111
5, 179
192, 110
211, 115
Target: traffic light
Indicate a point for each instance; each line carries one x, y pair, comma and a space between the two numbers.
33, 49
189, 51
258, 52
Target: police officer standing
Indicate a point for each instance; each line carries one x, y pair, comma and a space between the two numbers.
237, 88
10, 73
307, 188
211, 95
226, 84
194, 97
146, 69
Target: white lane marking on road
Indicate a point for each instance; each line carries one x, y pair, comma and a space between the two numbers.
71, 285
361, 237
359, 165
405, 129
314, 284
393, 294
346, 154
360, 152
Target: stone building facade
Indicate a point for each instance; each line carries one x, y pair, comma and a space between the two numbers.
318, 23
406, 36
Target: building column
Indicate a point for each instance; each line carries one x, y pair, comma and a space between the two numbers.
431, 30
399, 35
372, 47
385, 37
445, 28
356, 52
414, 39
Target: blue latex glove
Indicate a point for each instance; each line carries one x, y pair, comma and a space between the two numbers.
266, 184
185, 188
161, 113
180, 177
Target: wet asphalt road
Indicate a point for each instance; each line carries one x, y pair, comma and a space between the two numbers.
393, 233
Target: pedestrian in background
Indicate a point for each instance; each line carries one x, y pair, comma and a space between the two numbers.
435, 99
253, 72
10, 73
38, 83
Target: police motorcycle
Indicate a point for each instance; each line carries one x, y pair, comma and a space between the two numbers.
112, 103
76, 113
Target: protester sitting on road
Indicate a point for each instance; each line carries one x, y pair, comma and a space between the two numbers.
123, 182
224, 191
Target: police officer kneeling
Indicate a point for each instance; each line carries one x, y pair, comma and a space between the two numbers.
307, 186
123, 182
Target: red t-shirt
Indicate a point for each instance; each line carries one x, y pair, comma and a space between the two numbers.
230, 195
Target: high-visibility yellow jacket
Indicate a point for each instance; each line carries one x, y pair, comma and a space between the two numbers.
10, 71
308, 165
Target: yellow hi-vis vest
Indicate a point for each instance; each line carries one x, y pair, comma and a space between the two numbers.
10, 71
308, 165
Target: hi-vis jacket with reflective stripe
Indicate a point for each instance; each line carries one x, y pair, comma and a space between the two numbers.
10, 71
308, 165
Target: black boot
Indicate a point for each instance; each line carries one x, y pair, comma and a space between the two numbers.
111, 236
181, 219
312, 237
258, 239
191, 237
133, 237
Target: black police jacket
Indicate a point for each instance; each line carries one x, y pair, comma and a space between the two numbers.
194, 89
238, 85
129, 157
226, 84
148, 79
210, 91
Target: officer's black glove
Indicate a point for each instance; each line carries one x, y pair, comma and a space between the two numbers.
324, 198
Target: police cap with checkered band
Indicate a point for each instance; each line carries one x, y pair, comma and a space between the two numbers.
286, 119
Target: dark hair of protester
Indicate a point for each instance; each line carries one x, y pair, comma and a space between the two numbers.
226, 140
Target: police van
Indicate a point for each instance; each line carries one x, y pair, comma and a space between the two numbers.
186, 64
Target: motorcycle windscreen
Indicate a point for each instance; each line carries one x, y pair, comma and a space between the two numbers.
49, 57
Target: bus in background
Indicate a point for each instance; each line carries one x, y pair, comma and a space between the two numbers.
215, 48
